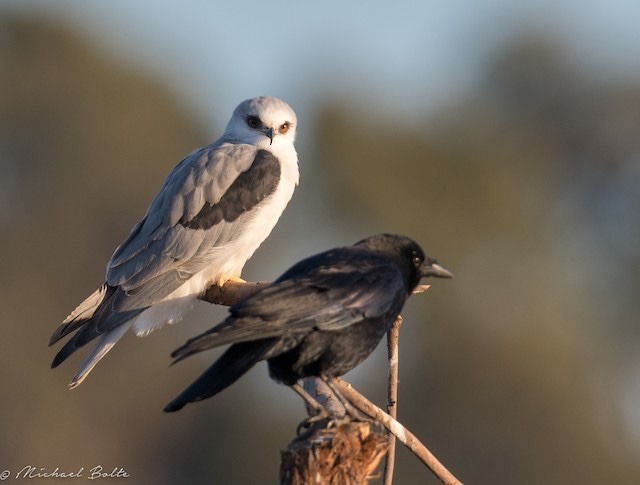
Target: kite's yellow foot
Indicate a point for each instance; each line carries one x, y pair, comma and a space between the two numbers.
234, 279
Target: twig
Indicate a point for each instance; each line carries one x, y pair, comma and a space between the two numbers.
398, 430
392, 387
392, 395
420, 289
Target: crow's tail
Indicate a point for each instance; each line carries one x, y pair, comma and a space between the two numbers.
230, 366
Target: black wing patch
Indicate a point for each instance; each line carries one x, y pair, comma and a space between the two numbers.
248, 190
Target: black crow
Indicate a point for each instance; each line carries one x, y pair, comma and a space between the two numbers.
321, 318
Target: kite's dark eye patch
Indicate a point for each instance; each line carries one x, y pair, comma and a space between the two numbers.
254, 122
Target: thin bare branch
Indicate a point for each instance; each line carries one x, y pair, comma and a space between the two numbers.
392, 395
420, 289
392, 387
399, 431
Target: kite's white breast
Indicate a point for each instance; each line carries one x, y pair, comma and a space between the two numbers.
229, 259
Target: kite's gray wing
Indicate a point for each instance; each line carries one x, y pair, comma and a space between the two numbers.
200, 206
325, 297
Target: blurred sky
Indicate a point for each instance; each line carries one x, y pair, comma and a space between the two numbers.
216, 53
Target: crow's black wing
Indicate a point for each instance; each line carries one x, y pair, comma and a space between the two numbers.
329, 292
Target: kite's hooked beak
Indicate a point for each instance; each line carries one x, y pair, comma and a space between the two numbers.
270, 132
432, 268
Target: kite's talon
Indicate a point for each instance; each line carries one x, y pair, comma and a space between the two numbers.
236, 279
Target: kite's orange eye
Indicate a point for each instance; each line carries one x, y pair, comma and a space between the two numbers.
284, 128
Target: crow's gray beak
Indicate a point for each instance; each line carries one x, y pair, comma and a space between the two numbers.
432, 268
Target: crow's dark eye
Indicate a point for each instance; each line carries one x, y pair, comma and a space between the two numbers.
417, 260
254, 122
284, 127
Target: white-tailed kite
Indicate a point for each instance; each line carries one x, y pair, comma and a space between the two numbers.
213, 211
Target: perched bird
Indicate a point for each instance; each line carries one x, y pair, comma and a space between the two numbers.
321, 318
212, 212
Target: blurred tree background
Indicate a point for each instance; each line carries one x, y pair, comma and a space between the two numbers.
514, 372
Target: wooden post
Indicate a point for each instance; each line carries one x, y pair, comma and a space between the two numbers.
345, 454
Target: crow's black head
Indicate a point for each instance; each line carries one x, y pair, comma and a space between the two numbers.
408, 255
